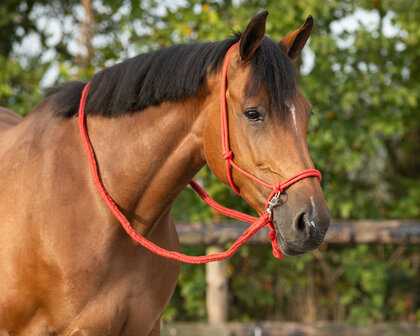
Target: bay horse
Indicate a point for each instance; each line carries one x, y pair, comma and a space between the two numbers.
66, 265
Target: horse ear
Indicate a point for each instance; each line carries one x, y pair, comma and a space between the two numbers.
294, 42
253, 36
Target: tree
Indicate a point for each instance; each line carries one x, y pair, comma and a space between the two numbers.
22, 71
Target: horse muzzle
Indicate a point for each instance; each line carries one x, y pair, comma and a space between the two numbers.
301, 231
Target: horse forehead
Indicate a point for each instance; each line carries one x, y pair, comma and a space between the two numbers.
240, 75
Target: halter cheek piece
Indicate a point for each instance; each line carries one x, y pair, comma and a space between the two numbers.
256, 223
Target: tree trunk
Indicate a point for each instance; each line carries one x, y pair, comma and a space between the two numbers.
85, 38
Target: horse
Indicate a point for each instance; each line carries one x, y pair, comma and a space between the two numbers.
66, 265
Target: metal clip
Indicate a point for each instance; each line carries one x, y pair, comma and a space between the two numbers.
272, 203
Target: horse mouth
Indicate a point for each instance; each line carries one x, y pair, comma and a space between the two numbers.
286, 249
292, 248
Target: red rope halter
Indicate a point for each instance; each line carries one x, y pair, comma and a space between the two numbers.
256, 223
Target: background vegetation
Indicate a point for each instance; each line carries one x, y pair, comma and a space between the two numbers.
361, 72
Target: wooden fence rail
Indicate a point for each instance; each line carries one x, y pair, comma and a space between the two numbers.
216, 235
340, 232
289, 329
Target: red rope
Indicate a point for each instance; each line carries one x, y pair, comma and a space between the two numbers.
256, 223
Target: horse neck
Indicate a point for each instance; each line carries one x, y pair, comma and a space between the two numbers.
147, 158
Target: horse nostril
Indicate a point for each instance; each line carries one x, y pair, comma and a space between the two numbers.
300, 222
304, 224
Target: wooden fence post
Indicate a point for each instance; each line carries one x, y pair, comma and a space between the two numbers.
217, 289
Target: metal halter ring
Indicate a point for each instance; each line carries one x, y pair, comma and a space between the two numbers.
272, 203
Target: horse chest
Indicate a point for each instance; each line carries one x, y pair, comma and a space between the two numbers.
85, 288
131, 300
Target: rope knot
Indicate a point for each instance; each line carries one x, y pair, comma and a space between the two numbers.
227, 155
277, 187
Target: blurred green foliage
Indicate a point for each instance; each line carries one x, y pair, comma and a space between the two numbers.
361, 284
364, 136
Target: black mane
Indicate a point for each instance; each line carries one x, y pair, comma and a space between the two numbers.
173, 74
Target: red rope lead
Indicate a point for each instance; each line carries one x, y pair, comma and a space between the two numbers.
220, 208
256, 223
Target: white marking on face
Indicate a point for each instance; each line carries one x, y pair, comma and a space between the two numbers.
314, 209
312, 201
293, 110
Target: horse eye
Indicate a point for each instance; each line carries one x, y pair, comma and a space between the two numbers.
253, 115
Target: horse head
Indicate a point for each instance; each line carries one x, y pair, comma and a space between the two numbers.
267, 122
